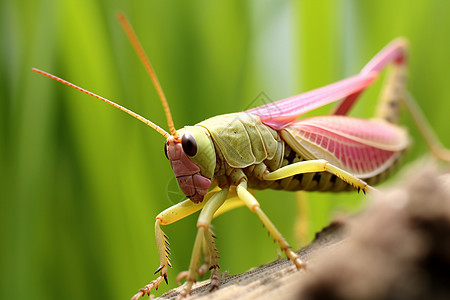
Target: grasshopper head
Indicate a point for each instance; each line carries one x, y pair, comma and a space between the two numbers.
193, 160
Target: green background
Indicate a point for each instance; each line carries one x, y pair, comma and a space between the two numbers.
81, 182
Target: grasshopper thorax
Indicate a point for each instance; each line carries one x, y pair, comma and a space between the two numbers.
193, 160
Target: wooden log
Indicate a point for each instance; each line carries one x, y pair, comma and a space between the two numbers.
398, 248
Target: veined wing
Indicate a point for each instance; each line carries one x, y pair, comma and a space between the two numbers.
283, 112
364, 148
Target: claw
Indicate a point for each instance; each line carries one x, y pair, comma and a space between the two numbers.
159, 269
215, 278
300, 264
148, 288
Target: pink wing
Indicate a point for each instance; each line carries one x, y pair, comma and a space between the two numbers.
283, 112
361, 147
394, 52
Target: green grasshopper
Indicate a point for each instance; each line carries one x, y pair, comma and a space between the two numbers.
218, 160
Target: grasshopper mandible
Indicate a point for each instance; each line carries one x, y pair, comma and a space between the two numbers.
216, 161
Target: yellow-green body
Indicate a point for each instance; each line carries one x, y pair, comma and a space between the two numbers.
242, 141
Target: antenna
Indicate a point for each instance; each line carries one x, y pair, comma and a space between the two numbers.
140, 51
139, 117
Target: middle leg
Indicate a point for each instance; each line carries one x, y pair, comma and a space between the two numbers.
210, 253
203, 224
254, 206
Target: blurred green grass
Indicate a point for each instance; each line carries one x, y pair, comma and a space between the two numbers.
81, 182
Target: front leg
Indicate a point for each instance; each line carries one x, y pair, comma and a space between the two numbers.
168, 216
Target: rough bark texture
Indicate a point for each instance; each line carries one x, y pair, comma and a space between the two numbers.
398, 248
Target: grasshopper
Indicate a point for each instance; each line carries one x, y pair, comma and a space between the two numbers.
218, 160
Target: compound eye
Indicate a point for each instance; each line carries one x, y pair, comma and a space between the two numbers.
165, 150
189, 144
